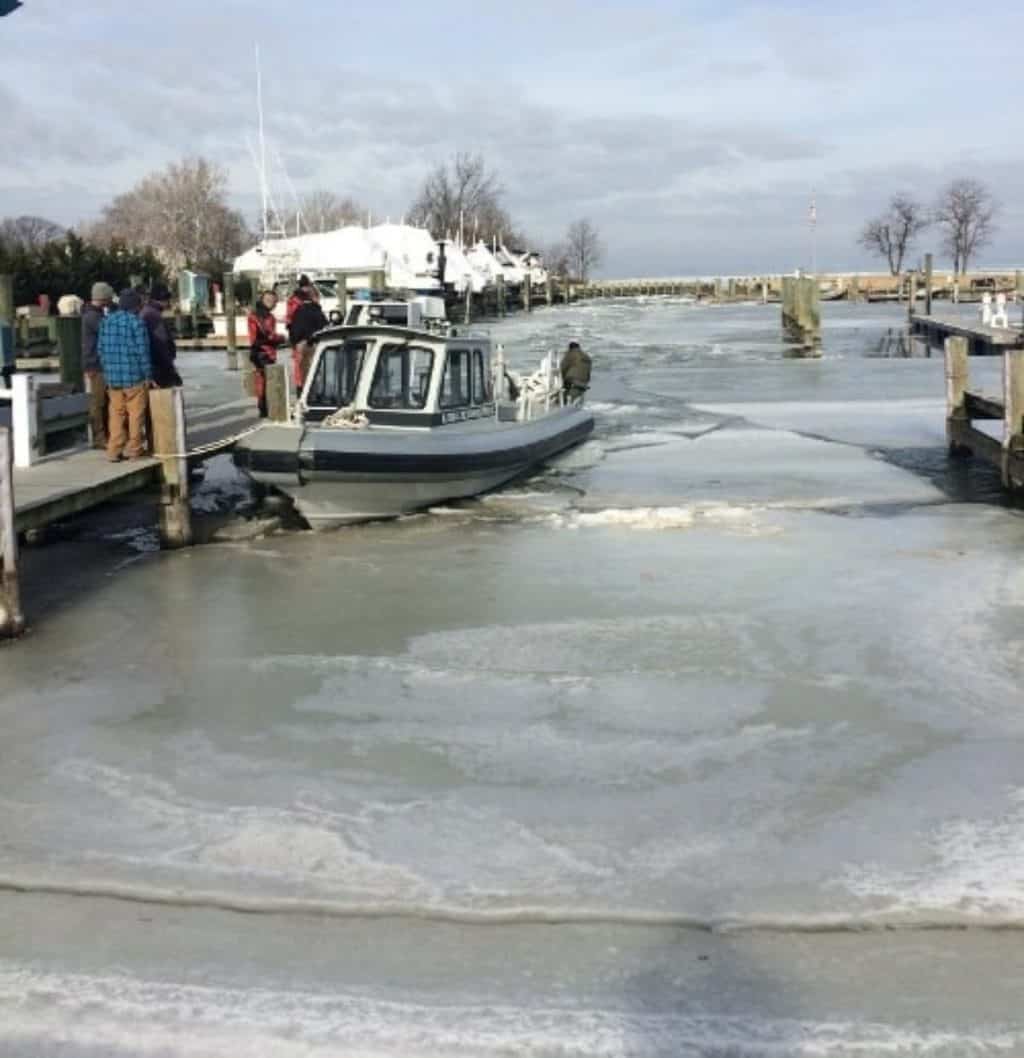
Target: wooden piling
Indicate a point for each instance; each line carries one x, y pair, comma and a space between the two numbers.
7, 299
500, 283
170, 444
528, 292
468, 315
801, 315
957, 353
929, 268
277, 392
230, 309
12, 620
69, 349
1013, 418
341, 290
911, 294
549, 292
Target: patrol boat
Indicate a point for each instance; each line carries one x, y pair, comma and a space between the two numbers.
394, 419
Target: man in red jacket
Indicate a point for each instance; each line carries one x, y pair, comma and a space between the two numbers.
263, 343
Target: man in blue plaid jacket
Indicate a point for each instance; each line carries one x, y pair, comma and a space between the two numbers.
128, 369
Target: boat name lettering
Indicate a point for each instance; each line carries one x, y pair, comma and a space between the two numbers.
465, 414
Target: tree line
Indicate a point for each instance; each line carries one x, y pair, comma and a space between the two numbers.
965, 213
180, 217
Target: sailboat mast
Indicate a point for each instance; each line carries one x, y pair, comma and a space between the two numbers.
264, 191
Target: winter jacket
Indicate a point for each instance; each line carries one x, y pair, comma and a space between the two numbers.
263, 336
575, 369
92, 317
162, 349
124, 350
308, 319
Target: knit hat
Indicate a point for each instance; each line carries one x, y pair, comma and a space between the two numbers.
129, 301
102, 292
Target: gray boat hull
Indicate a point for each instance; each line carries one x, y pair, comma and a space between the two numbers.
338, 476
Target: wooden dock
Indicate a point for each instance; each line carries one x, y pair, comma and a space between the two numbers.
964, 407
982, 340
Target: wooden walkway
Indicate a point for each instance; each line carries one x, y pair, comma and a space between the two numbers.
982, 340
66, 483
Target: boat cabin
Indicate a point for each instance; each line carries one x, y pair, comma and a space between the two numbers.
399, 376
419, 313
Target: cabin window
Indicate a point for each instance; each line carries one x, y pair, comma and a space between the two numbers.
333, 384
481, 379
456, 389
402, 378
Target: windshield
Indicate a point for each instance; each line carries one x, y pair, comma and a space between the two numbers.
334, 381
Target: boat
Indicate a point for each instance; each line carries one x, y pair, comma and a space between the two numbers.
395, 419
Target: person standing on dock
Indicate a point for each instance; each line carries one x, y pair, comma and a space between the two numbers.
162, 350
575, 368
308, 319
93, 314
124, 355
263, 343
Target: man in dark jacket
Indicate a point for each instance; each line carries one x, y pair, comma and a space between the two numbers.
162, 350
575, 369
308, 319
92, 316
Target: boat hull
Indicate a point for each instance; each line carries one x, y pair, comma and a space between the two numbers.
339, 477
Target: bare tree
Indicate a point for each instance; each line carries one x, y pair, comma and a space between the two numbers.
181, 212
30, 231
556, 259
893, 233
585, 249
463, 192
966, 211
325, 211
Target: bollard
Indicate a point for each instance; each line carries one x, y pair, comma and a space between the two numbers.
12, 620
956, 390
277, 392
69, 349
170, 445
231, 321
929, 284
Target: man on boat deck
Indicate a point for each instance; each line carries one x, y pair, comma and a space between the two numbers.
575, 368
308, 319
263, 343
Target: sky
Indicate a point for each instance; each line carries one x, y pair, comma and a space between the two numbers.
692, 134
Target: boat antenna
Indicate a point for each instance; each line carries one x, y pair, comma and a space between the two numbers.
300, 220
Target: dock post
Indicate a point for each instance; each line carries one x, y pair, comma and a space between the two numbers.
277, 392
25, 420
170, 445
231, 329
528, 292
467, 318
500, 281
69, 348
929, 269
12, 621
1013, 418
341, 290
801, 316
7, 299
1020, 293
911, 294
549, 292
957, 367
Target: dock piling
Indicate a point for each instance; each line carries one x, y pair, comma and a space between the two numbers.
12, 621
957, 352
911, 294
7, 299
929, 284
801, 316
1013, 418
341, 290
500, 283
170, 444
528, 292
469, 303
69, 348
277, 392
230, 320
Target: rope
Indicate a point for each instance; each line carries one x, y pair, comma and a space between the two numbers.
210, 446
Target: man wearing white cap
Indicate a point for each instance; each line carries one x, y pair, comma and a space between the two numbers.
92, 317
